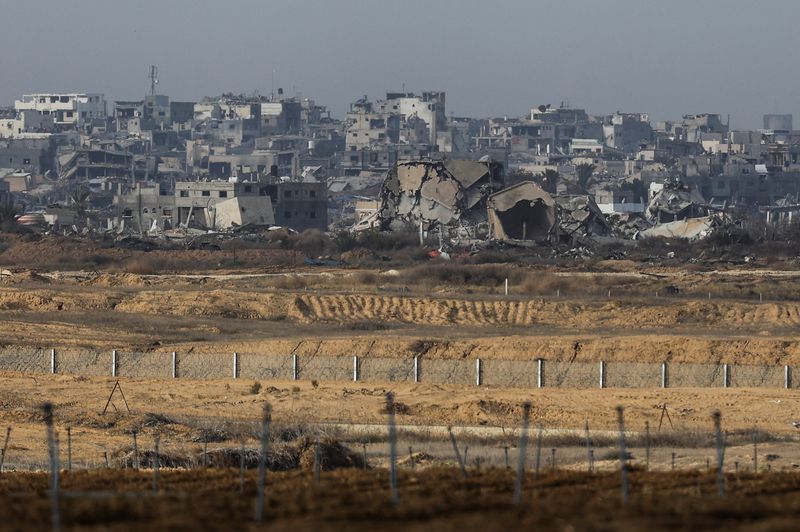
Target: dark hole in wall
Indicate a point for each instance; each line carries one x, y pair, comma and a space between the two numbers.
537, 220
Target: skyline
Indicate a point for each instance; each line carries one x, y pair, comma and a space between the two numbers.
498, 60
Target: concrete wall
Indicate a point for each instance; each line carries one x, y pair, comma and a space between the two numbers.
494, 373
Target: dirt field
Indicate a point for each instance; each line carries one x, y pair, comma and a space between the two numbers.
485, 419
380, 314
652, 314
433, 499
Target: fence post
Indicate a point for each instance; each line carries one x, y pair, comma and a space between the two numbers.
114, 363
174, 365
540, 373
458, 454
69, 448
395, 498
53, 361
726, 376
156, 461
52, 447
787, 377
235, 365
623, 457
294, 367
664, 375
717, 418
478, 371
523, 444
416, 369
355, 368
262, 462
602, 374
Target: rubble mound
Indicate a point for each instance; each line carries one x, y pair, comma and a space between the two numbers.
117, 279
20, 277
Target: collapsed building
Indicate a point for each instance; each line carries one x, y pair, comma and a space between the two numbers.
219, 206
522, 212
449, 193
526, 213
675, 201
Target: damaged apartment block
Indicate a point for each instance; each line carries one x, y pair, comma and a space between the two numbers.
526, 214
448, 193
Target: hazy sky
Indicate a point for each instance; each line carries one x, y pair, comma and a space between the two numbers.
493, 58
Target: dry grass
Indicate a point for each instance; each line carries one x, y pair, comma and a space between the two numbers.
141, 266
548, 283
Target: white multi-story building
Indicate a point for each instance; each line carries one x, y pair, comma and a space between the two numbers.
67, 110
26, 124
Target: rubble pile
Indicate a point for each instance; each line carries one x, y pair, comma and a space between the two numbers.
436, 193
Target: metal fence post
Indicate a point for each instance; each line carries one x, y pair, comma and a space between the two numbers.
602, 374
416, 369
355, 368
114, 363
235, 365
478, 372
664, 375
726, 376
540, 373
53, 361
787, 377
174, 365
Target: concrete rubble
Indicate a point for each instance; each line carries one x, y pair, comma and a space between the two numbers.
429, 194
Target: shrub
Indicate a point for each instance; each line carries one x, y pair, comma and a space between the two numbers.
140, 266
311, 242
459, 274
385, 241
255, 388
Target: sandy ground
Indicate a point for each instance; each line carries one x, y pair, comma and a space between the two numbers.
336, 314
486, 419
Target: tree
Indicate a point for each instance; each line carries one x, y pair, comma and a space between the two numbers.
584, 172
79, 197
549, 180
8, 215
518, 175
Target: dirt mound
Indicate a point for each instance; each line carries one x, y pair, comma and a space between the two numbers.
117, 279
126, 458
417, 459
332, 455
20, 277
281, 456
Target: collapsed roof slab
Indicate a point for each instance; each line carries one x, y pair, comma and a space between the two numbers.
522, 212
410, 176
444, 191
466, 172
433, 211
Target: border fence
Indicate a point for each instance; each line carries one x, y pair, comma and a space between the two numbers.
538, 373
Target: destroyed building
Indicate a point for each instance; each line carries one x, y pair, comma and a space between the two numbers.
220, 205
300, 206
579, 218
676, 201
446, 193
32, 155
522, 212
525, 212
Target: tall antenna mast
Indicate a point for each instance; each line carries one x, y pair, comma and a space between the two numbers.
153, 79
